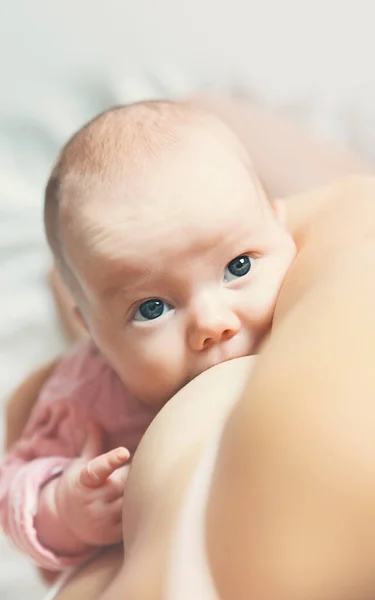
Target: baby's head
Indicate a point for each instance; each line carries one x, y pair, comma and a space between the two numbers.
167, 241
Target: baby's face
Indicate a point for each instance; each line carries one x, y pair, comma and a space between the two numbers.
182, 267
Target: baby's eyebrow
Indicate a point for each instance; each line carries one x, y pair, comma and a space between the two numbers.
126, 282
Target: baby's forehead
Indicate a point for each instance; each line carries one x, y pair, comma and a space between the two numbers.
138, 223
177, 184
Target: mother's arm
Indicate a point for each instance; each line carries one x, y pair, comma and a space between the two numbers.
292, 508
287, 158
22, 400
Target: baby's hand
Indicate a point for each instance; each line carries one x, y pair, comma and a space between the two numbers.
89, 493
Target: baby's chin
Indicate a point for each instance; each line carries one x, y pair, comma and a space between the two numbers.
156, 402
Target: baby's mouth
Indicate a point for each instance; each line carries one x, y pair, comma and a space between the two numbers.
212, 364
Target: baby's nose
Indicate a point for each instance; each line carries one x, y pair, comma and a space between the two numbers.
212, 325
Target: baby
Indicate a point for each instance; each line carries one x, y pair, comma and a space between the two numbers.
175, 258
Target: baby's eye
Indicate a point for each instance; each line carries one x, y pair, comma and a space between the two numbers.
238, 267
151, 309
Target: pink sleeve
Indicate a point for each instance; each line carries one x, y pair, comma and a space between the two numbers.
20, 485
46, 448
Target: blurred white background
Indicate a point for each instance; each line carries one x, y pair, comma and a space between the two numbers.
62, 61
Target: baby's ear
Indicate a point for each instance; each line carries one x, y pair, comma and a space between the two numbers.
80, 318
280, 210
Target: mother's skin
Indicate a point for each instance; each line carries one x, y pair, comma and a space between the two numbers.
298, 518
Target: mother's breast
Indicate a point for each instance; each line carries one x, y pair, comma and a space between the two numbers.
174, 442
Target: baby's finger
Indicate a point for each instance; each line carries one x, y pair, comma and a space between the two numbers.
96, 472
94, 442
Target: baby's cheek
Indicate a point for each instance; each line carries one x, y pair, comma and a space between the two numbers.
158, 368
164, 361
261, 303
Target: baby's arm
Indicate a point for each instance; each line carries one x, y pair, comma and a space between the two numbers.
82, 508
55, 508
45, 460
